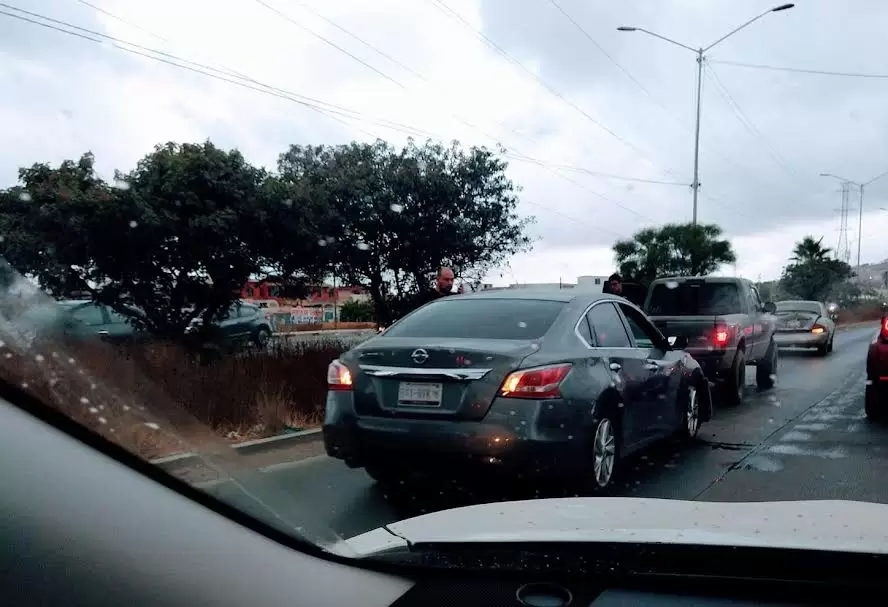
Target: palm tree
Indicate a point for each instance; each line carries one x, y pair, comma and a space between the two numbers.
809, 251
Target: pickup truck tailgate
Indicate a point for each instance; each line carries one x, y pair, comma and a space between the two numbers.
698, 330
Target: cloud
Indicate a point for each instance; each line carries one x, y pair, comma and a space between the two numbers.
408, 66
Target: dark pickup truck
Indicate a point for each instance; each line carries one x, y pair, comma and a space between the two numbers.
726, 326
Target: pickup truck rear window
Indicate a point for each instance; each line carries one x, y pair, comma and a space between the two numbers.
694, 299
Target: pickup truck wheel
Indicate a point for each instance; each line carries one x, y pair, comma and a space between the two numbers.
733, 386
766, 369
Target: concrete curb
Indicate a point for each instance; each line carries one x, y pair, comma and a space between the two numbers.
172, 463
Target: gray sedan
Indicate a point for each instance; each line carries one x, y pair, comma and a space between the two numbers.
554, 384
804, 324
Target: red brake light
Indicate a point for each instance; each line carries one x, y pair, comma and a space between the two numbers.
722, 335
885, 328
539, 382
338, 376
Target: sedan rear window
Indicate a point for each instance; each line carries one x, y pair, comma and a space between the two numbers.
480, 319
694, 299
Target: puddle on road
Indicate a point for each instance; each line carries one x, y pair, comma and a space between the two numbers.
759, 463
789, 449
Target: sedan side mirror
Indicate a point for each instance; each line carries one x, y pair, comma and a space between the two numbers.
770, 307
679, 342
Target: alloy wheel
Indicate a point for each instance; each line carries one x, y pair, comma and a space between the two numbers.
692, 413
604, 453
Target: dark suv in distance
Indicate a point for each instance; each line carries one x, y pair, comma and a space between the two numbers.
726, 324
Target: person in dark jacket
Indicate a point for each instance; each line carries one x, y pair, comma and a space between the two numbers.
614, 285
442, 288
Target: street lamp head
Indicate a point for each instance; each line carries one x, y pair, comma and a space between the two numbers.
825, 175
626, 28
782, 7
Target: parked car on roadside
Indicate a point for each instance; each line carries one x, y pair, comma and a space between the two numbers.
876, 396
243, 324
554, 384
726, 324
805, 324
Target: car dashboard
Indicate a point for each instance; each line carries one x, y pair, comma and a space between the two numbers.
87, 523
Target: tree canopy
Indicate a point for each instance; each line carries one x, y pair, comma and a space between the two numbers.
179, 235
813, 275
673, 250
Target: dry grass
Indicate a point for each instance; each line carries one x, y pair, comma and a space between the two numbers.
157, 400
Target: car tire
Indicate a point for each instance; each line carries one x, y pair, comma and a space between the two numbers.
823, 350
604, 462
766, 369
830, 347
875, 411
263, 334
691, 413
734, 386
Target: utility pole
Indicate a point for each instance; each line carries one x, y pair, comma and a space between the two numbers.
860, 187
699, 52
696, 184
859, 223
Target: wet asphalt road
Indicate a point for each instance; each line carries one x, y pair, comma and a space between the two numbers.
805, 439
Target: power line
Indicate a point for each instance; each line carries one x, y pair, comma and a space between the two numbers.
470, 125
802, 70
330, 110
441, 6
748, 124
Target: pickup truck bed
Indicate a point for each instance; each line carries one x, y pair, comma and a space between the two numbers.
725, 324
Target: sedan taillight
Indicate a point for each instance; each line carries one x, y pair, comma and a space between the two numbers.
884, 329
538, 382
339, 377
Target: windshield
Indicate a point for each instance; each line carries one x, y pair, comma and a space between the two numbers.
798, 306
694, 299
340, 264
472, 319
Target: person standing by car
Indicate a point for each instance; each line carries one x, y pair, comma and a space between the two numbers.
442, 288
614, 285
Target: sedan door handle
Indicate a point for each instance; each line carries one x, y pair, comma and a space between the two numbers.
652, 367
615, 366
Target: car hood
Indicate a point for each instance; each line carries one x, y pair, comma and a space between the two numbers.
819, 525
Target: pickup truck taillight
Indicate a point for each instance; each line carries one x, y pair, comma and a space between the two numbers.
722, 335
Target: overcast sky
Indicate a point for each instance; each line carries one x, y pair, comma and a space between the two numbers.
597, 100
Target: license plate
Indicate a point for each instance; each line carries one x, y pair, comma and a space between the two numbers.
793, 324
420, 394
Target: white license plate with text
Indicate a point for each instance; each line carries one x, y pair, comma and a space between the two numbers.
421, 394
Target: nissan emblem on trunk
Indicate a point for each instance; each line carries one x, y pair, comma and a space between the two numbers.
419, 356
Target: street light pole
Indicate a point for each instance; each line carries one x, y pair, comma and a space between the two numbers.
696, 183
699, 52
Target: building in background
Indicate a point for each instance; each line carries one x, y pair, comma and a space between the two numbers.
588, 284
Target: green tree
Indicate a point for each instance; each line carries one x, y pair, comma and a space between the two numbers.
673, 250
813, 275
177, 237
356, 311
396, 215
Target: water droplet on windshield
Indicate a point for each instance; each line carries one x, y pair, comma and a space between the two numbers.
120, 184
84, 400
152, 425
25, 197
522, 324
672, 284
396, 208
102, 420
322, 242
134, 224
39, 358
363, 246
